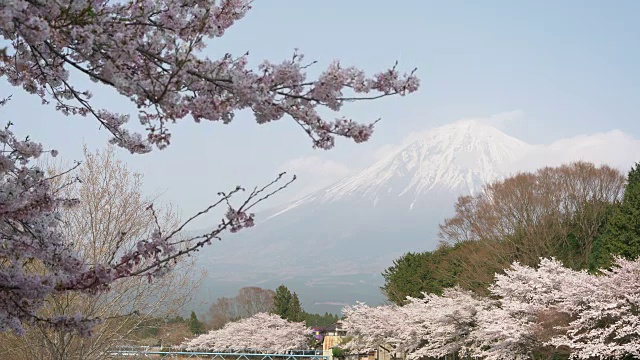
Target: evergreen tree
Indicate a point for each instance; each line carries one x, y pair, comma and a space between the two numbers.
195, 326
287, 305
415, 273
295, 312
622, 233
317, 320
281, 301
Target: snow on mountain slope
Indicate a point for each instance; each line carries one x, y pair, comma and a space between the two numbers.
355, 228
457, 158
403, 197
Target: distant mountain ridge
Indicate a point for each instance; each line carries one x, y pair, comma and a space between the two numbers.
357, 226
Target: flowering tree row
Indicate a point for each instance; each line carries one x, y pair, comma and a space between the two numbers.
149, 52
531, 311
261, 332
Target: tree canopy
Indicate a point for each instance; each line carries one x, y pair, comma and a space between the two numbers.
559, 212
543, 312
261, 332
622, 232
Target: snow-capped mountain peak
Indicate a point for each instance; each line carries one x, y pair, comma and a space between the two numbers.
464, 155
457, 158
361, 223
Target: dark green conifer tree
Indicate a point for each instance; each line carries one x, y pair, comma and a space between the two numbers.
281, 301
195, 326
295, 312
622, 233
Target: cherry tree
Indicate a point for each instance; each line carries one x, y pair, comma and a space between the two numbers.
607, 322
37, 260
371, 326
30, 236
434, 326
590, 316
441, 324
150, 52
532, 308
261, 332
531, 313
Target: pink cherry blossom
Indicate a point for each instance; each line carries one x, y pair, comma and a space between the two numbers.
151, 53
371, 326
262, 332
598, 314
442, 324
607, 320
37, 260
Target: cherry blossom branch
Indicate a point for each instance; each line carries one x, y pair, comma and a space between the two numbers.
151, 56
152, 257
38, 262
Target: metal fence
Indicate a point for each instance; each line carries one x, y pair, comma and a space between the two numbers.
136, 352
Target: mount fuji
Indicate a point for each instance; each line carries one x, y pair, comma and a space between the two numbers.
334, 243
455, 158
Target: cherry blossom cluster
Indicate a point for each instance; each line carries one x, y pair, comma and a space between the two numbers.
529, 310
262, 332
432, 326
606, 314
37, 261
443, 324
150, 51
371, 326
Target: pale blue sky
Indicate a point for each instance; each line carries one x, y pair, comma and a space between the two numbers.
572, 67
